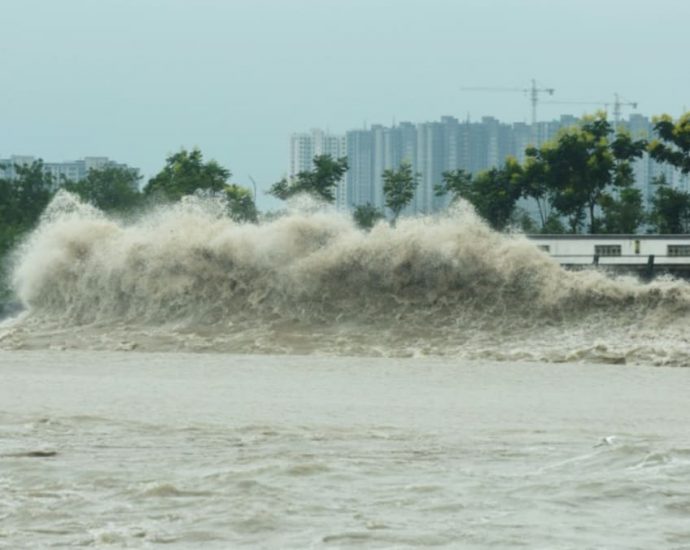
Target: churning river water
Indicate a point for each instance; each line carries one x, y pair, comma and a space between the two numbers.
178, 379
116, 449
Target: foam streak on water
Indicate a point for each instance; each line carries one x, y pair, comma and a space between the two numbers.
185, 277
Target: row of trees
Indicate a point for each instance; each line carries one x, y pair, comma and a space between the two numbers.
583, 181
398, 187
114, 190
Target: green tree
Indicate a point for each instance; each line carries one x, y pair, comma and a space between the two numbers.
399, 187
26, 196
22, 201
366, 216
111, 188
623, 215
6, 214
670, 211
553, 225
582, 166
522, 220
493, 193
535, 184
241, 205
184, 173
456, 182
673, 145
319, 182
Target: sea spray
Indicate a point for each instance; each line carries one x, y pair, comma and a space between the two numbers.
185, 276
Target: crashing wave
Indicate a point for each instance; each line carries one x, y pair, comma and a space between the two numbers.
185, 276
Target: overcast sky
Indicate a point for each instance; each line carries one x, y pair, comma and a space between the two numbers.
135, 80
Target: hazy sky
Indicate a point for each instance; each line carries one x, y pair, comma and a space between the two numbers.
138, 79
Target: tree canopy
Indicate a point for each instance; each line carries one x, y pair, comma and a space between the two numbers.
186, 172
493, 193
623, 214
111, 188
23, 198
22, 201
241, 205
319, 182
366, 215
399, 187
582, 167
670, 211
673, 143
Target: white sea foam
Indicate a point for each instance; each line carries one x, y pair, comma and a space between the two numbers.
187, 277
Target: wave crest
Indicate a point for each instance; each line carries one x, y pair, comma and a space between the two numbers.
312, 281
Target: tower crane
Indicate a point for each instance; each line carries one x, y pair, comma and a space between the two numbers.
617, 104
533, 91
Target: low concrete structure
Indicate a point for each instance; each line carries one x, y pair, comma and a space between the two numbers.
648, 254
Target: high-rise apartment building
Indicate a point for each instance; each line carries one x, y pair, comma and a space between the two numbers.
305, 146
360, 174
435, 147
645, 170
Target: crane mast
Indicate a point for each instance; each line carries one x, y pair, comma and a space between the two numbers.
533, 92
534, 98
617, 104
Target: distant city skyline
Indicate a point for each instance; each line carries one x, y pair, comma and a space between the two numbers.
430, 146
70, 170
139, 79
433, 147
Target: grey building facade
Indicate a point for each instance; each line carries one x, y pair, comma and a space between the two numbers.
435, 147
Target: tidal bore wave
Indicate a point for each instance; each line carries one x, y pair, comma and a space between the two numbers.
186, 278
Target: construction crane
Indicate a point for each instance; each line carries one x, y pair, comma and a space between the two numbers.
533, 94
617, 105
